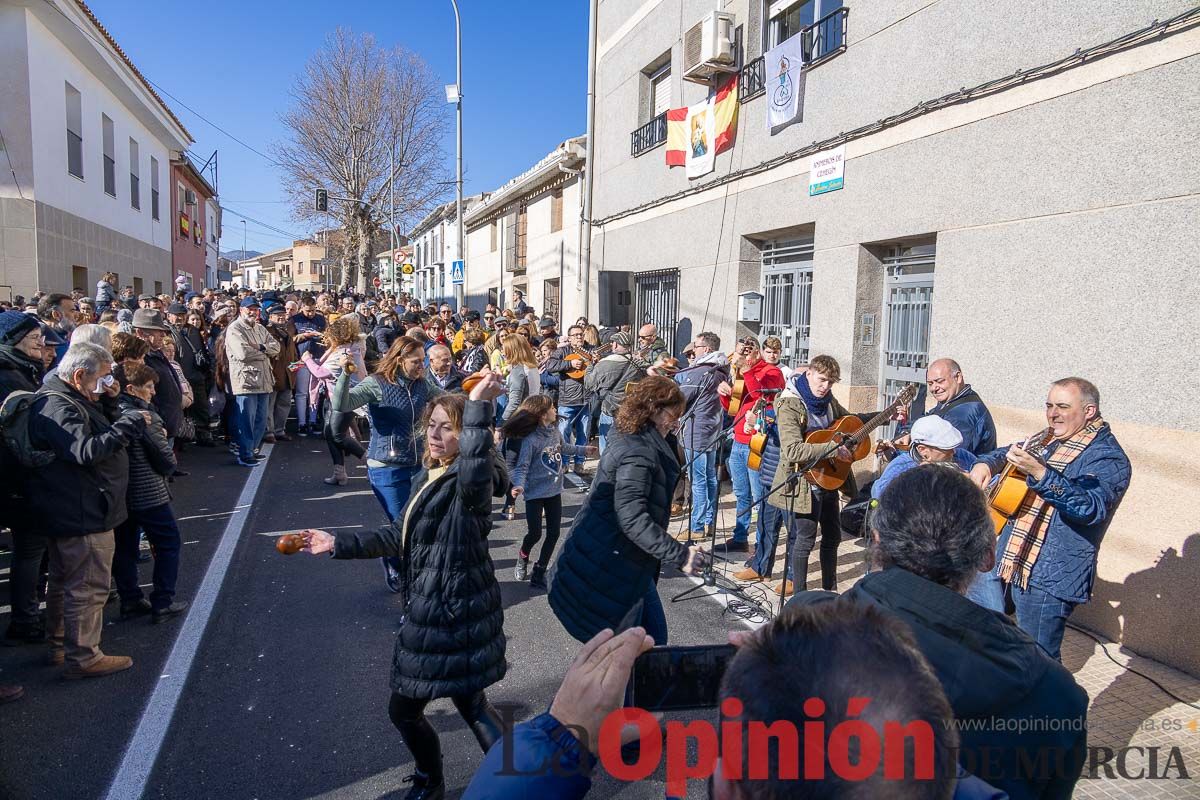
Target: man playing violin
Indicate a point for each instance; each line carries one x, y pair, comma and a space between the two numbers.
574, 399
1046, 553
758, 374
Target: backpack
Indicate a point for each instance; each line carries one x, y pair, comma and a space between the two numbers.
14, 427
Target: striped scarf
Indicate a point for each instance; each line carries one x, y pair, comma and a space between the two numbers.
1032, 519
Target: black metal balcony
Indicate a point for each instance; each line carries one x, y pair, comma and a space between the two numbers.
649, 136
822, 40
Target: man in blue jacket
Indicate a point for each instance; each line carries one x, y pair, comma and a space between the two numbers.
1046, 554
958, 404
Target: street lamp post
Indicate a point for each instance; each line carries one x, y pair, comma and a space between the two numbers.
458, 288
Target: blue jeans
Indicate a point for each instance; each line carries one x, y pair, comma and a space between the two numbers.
770, 520
703, 475
1043, 616
251, 411
392, 487
574, 426
606, 423
162, 532
746, 486
654, 619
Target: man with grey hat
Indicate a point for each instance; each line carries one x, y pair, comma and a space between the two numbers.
610, 377
149, 326
250, 348
933, 441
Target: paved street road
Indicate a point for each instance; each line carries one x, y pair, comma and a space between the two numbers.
286, 697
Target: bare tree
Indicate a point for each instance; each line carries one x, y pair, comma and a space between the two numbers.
354, 102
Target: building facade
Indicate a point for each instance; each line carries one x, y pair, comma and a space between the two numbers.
526, 235
90, 146
1019, 192
433, 242
191, 198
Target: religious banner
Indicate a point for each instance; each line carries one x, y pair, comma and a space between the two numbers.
696, 134
785, 76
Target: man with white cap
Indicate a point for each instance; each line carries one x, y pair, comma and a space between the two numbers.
934, 441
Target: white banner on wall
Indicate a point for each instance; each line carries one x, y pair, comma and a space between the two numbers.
784, 76
826, 171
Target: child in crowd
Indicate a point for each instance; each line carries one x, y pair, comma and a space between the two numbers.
105, 291
537, 475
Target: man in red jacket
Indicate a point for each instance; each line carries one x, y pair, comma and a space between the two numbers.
758, 374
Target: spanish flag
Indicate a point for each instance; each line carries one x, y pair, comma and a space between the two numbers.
695, 134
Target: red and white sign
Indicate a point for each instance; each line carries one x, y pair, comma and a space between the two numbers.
377, 282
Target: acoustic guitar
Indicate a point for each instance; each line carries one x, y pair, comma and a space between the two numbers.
588, 359
830, 473
738, 395
1007, 491
763, 420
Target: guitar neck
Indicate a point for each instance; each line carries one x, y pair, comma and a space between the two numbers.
875, 421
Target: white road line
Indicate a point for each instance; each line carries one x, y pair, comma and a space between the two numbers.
132, 775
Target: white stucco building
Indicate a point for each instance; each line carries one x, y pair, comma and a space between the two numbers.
526, 234
433, 242
90, 144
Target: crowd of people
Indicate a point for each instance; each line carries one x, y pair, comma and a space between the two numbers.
458, 414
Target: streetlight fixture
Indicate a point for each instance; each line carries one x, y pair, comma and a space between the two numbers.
457, 100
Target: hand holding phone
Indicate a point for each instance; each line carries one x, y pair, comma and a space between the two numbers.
680, 678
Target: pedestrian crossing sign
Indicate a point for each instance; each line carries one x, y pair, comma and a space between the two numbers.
456, 273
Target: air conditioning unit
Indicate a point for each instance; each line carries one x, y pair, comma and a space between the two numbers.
708, 48
189, 197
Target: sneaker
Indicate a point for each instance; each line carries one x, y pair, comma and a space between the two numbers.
538, 579
163, 614
732, 547
138, 608
522, 570
10, 693
424, 788
510, 515
20, 633
105, 665
247, 463
282, 437
748, 575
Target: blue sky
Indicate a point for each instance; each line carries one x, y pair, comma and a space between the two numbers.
524, 76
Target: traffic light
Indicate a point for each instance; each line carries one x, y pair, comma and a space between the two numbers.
322, 200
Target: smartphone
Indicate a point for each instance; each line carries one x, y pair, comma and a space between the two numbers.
679, 678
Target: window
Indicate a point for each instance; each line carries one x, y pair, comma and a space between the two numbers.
660, 89
789, 17
495, 226
79, 278
157, 288
787, 279
299, 267
137, 287
110, 156
556, 210
154, 188
135, 188
181, 204
74, 131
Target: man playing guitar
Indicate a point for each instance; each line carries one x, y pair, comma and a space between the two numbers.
574, 399
1046, 553
958, 404
758, 374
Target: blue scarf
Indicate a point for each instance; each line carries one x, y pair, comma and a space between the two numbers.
817, 406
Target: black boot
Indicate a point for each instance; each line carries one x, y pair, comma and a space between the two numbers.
487, 726
424, 787
537, 580
19, 633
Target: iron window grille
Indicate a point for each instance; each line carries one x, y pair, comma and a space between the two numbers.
650, 135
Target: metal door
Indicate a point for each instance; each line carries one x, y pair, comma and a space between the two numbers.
658, 302
908, 309
787, 277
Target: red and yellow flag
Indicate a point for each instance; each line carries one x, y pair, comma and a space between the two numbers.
696, 134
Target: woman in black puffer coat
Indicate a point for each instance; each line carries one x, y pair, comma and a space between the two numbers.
451, 640
610, 563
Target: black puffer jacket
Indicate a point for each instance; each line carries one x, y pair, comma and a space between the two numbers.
83, 490
18, 373
452, 640
618, 542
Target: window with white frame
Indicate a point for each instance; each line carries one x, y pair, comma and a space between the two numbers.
153, 188
786, 18
135, 177
660, 89
110, 155
74, 131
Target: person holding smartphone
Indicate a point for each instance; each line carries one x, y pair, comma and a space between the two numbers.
451, 641
618, 544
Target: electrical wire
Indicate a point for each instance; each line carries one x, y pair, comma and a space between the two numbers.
16, 182
1127, 668
266, 225
1156, 29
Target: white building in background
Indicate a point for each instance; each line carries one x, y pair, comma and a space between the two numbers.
433, 243
526, 234
212, 246
91, 145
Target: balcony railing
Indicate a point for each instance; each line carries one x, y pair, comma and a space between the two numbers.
650, 135
822, 40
